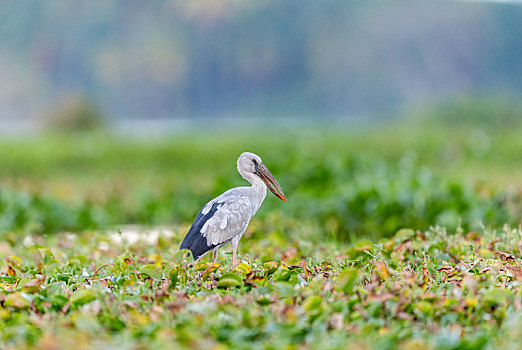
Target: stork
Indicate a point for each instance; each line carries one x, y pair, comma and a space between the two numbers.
224, 219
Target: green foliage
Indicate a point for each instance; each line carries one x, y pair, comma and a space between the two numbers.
353, 195
422, 290
302, 280
347, 280
23, 211
370, 197
83, 296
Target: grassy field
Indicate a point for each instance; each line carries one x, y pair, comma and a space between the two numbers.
400, 236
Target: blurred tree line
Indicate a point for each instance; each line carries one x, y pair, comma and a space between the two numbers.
170, 58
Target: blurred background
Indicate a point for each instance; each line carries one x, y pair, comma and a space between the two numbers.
373, 116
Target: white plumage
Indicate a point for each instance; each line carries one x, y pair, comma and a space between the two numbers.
224, 219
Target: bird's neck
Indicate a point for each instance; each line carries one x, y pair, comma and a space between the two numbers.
258, 189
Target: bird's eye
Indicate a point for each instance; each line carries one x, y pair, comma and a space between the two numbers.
256, 166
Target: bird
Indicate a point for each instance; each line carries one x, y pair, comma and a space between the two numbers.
225, 218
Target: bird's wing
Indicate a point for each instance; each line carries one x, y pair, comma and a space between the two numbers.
219, 221
230, 219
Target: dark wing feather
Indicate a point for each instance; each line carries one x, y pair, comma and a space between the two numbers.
194, 240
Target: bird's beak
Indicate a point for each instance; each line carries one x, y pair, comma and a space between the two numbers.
267, 177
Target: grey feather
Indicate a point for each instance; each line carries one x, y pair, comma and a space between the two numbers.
230, 219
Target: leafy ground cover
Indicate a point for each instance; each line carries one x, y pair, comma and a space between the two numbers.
133, 289
329, 269
341, 184
345, 198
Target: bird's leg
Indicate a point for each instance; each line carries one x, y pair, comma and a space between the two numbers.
234, 242
215, 256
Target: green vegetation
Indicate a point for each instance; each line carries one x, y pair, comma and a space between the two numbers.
341, 184
402, 237
417, 290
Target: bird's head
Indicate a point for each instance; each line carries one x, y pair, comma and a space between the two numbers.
251, 163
